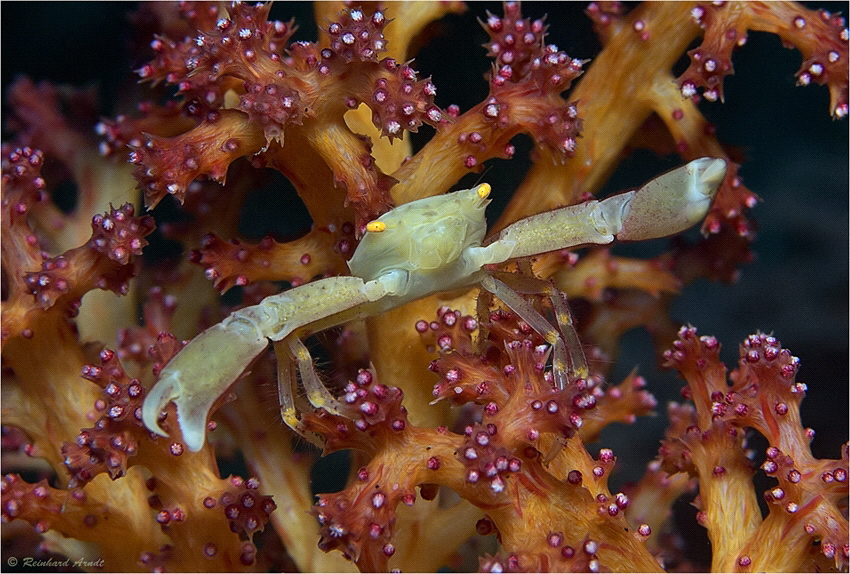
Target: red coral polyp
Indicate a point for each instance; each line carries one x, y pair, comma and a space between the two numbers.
515, 42
118, 234
244, 507
401, 102
372, 413
236, 45
820, 36
104, 262
358, 37
169, 165
708, 442
22, 182
272, 106
115, 437
488, 413
487, 461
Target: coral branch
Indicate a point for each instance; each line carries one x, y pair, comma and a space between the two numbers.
709, 443
820, 36
464, 432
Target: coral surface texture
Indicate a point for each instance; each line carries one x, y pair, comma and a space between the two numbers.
253, 318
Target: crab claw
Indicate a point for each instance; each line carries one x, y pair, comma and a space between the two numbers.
674, 201
199, 375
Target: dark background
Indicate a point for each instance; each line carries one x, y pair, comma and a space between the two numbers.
797, 288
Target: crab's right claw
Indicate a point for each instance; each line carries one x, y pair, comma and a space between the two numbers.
674, 201
200, 374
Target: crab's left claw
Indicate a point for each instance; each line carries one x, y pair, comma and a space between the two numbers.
672, 202
192, 411
200, 374
163, 392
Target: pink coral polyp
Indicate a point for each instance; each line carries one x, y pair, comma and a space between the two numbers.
448, 406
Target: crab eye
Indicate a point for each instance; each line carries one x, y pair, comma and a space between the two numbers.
376, 226
484, 190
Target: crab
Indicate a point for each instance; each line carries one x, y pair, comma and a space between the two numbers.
427, 246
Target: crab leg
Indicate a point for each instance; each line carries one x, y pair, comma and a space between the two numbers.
568, 362
317, 393
578, 361
286, 378
668, 204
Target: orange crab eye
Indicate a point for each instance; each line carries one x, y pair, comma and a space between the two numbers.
376, 226
484, 190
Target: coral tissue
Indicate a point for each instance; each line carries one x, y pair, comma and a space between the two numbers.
461, 451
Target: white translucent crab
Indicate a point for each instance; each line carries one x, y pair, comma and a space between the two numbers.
417, 249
